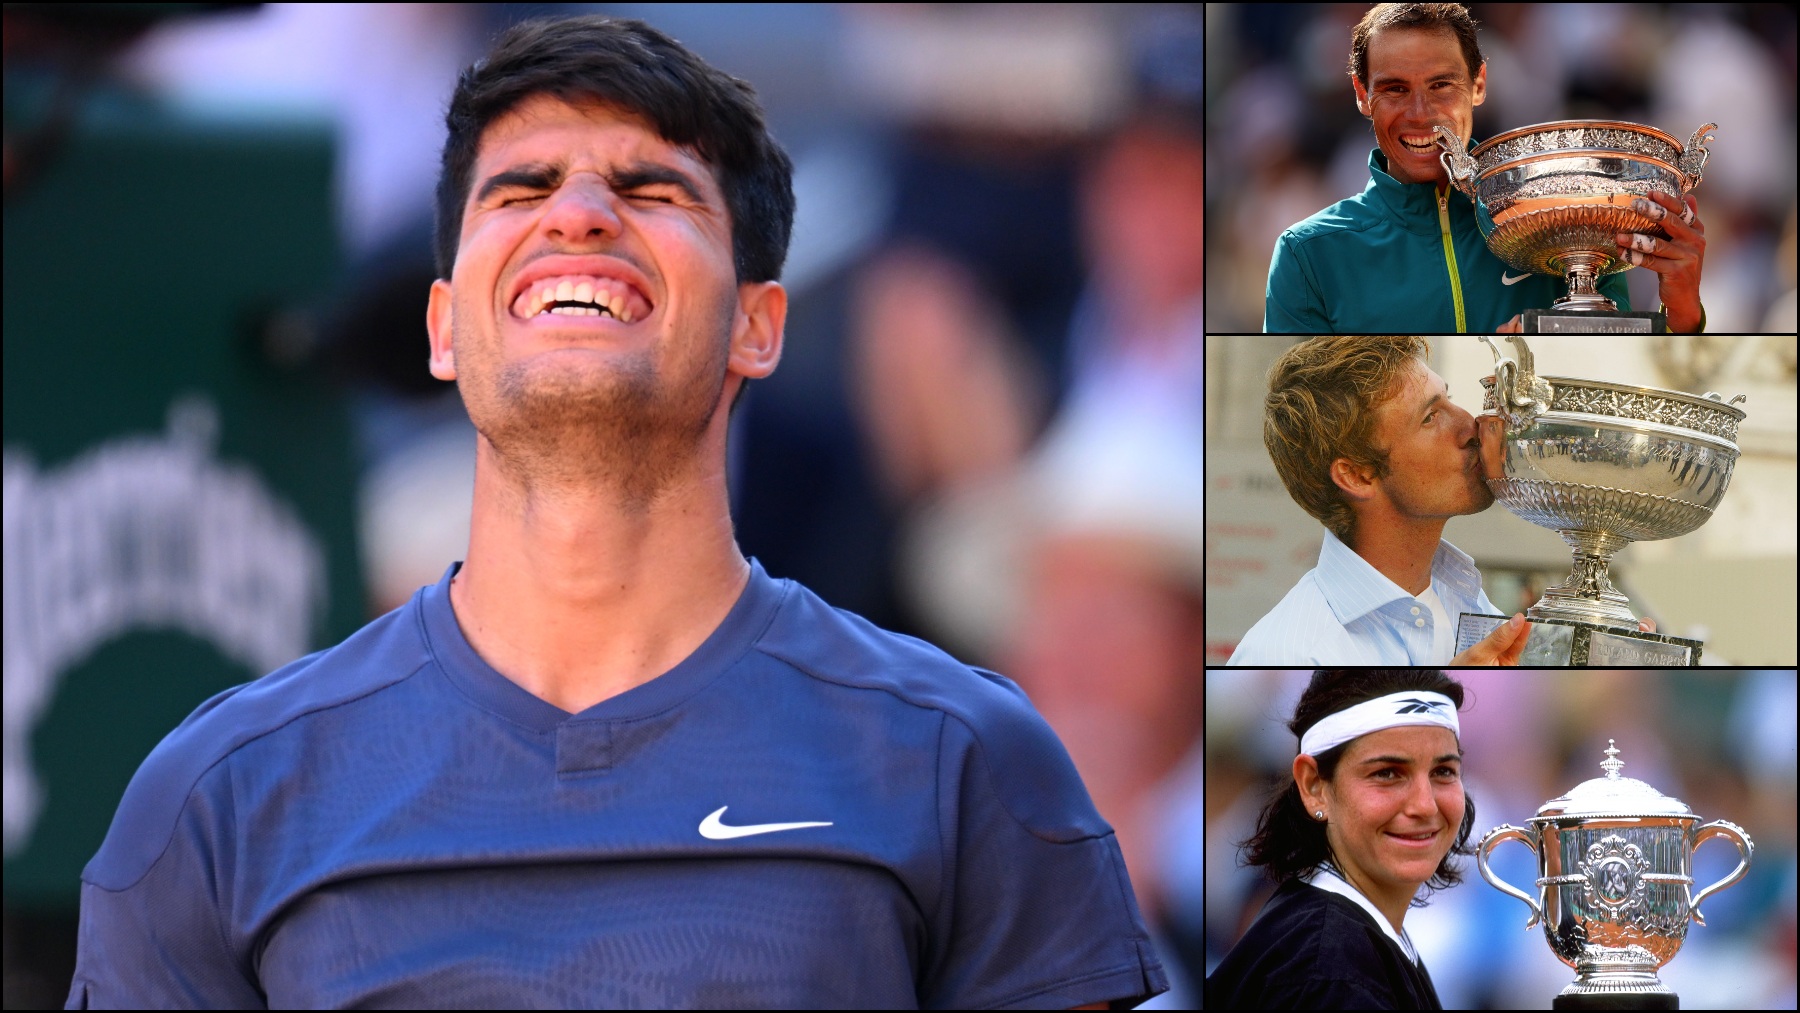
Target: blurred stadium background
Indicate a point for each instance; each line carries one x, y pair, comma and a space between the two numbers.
1721, 742
1284, 138
228, 452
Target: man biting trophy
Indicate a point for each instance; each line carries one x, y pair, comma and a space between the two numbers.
1530, 230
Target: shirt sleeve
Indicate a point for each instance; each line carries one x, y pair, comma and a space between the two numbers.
1324, 993
153, 934
1292, 303
1038, 912
1262, 647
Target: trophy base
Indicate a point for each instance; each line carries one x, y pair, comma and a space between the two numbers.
1618, 1000
1616, 978
1563, 321
1559, 642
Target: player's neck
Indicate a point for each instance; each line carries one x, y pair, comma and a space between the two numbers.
1440, 181
578, 594
1391, 903
1398, 546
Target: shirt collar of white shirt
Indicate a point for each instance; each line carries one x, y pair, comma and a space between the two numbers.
1344, 612
1354, 589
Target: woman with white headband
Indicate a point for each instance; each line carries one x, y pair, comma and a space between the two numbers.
1375, 808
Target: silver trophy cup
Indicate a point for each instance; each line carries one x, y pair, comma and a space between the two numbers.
1551, 198
1603, 465
1615, 882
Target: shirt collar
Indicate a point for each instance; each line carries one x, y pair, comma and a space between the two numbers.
1327, 878
498, 694
1353, 588
1412, 205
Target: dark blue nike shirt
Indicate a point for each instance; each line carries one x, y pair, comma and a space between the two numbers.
393, 823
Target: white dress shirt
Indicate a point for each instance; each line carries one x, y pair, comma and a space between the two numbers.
1345, 612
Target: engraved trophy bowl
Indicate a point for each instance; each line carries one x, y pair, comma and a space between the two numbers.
1604, 465
1615, 879
1551, 198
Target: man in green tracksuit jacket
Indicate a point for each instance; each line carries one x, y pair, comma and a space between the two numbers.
1405, 255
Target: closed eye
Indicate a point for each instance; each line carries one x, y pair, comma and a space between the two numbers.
1394, 772
1445, 396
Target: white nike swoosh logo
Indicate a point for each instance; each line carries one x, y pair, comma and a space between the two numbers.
714, 830
1506, 280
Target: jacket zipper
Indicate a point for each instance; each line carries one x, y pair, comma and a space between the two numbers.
1462, 325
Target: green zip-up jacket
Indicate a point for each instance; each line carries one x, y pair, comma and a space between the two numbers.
1399, 258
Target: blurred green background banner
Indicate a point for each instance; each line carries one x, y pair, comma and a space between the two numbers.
178, 512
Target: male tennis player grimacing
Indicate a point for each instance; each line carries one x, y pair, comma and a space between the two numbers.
606, 761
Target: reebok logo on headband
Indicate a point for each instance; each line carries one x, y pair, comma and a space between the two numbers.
1418, 706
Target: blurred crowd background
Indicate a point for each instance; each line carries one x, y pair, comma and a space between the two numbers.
1723, 743
1286, 141
223, 449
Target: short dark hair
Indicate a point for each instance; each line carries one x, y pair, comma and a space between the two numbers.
1287, 841
1452, 18
630, 65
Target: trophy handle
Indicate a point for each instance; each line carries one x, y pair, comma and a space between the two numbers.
1694, 156
1735, 834
1520, 395
1459, 165
1506, 831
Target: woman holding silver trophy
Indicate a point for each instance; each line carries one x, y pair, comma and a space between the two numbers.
1374, 811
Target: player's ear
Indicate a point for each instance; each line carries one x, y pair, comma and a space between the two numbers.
757, 329
1479, 92
437, 329
1362, 97
1307, 779
1356, 481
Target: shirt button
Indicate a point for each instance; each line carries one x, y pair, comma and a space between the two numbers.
1418, 622
1415, 610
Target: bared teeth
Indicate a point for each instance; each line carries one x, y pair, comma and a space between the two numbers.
603, 296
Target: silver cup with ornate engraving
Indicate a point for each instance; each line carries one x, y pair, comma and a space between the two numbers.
1604, 465
1551, 198
1615, 878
